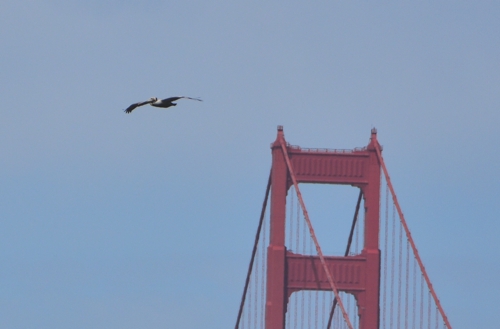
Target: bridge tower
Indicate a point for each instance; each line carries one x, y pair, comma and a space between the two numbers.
386, 279
289, 272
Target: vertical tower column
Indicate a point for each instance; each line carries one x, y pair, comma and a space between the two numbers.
369, 299
276, 287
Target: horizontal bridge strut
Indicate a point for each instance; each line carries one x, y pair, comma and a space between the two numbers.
330, 168
306, 273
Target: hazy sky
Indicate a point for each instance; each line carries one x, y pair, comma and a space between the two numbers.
147, 220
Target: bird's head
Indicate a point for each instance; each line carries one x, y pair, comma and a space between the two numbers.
153, 99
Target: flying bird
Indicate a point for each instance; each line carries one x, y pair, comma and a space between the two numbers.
153, 101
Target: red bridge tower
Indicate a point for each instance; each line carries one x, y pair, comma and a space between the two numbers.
289, 272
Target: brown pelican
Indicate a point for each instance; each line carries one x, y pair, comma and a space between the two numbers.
153, 101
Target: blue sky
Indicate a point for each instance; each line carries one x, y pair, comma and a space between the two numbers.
146, 220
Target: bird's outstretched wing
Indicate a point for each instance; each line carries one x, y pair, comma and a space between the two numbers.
193, 98
173, 99
133, 106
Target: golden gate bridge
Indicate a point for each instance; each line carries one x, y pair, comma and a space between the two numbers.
380, 280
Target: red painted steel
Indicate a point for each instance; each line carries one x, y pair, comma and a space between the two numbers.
276, 252
288, 272
306, 272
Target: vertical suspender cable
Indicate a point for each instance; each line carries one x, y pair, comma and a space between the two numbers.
302, 251
429, 310
290, 246
348, 304
324, 310
307, 294
256, 290
258, 279
316, 313
437, 319
421, 301
400, 264
297, 240
386, 232
414, 308
393, 252
254, 251
407, 282
289, 222
263, 272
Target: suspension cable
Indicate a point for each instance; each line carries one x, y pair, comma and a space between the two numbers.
400, 281
393, 262
421, 301
254, 251
263, 270
408, 235
414, 308
296, 322
407, 288
386, 250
